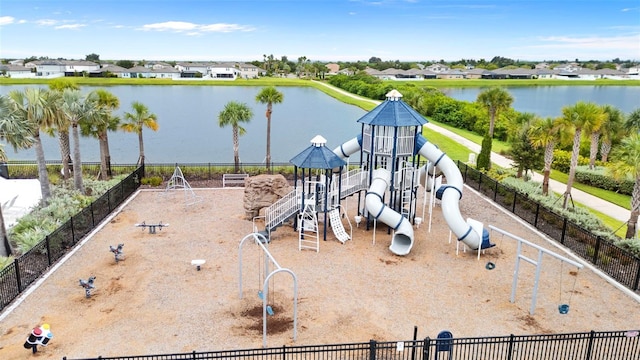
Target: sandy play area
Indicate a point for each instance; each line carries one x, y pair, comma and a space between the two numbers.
155, 301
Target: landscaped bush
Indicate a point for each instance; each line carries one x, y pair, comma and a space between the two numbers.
64, 203
600, 178
562, 160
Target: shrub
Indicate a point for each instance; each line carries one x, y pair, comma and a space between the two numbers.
152, 181
562, 161
484, 158
600, 178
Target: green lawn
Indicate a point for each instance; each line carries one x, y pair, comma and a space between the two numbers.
610, 196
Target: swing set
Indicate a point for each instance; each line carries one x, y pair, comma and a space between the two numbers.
563, 308
265, 278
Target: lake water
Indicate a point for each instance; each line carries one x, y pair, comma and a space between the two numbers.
548, 100
189, 130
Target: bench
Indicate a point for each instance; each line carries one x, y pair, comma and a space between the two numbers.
233, 179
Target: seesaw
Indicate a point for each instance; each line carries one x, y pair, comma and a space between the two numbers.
152, 227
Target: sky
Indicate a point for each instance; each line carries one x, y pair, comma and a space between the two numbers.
329, 30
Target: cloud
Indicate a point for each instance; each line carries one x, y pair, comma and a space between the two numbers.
46, 22
70, 26
629, 42
195, 29
6, 20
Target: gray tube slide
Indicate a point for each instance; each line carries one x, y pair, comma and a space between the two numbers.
402, 239
451, 195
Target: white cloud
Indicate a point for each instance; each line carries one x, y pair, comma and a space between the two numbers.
6, 20
195, 29
46, 22
595, 42
70, 26
178, 26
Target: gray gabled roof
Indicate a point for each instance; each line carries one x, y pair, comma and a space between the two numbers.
393, 112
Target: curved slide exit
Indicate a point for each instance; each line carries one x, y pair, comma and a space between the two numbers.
402, 239
451, 195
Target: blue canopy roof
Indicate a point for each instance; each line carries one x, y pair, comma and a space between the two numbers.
317, 156
393, 112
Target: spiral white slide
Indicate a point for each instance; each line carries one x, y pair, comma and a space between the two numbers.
451, 196
402, 239
348, 148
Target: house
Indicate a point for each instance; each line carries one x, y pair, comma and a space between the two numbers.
190, 68
437, 68
451, 74
16, 71
333, 68
249, 71
224, 71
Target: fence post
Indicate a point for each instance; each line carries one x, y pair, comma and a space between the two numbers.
73, 231
46, 239
590, 345
564, 231
535, 222
480, 181
16, 265
515, 198
372, 349
637, 282
510, 350
93, 218
425, 348
194, 355
596, 250
284, 352
495, 191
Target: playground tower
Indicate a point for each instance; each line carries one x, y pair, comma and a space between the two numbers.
388, 142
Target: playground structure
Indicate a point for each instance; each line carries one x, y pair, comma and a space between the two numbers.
152, 227
563, 308
177, 181
117, 252
88, 285
389, 146
267, 276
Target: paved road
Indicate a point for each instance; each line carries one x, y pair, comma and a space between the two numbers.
591, 201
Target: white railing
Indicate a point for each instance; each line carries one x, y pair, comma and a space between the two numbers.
282, 209
353, 181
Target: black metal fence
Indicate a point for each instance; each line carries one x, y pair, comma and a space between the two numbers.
618, 263
27, 268
192, 171
610, 345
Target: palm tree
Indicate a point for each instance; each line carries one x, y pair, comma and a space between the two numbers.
138, 120
269, 95
495, 100
36, 108
627, 156
233, 114
633, 121
547, 133
581, 116
100, 127
611, 130
593, 130
59, 85
17, 134
77, 108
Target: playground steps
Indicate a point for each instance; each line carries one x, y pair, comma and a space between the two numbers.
282, 210
308, 233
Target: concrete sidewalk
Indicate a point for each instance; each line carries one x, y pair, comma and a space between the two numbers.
591, 201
